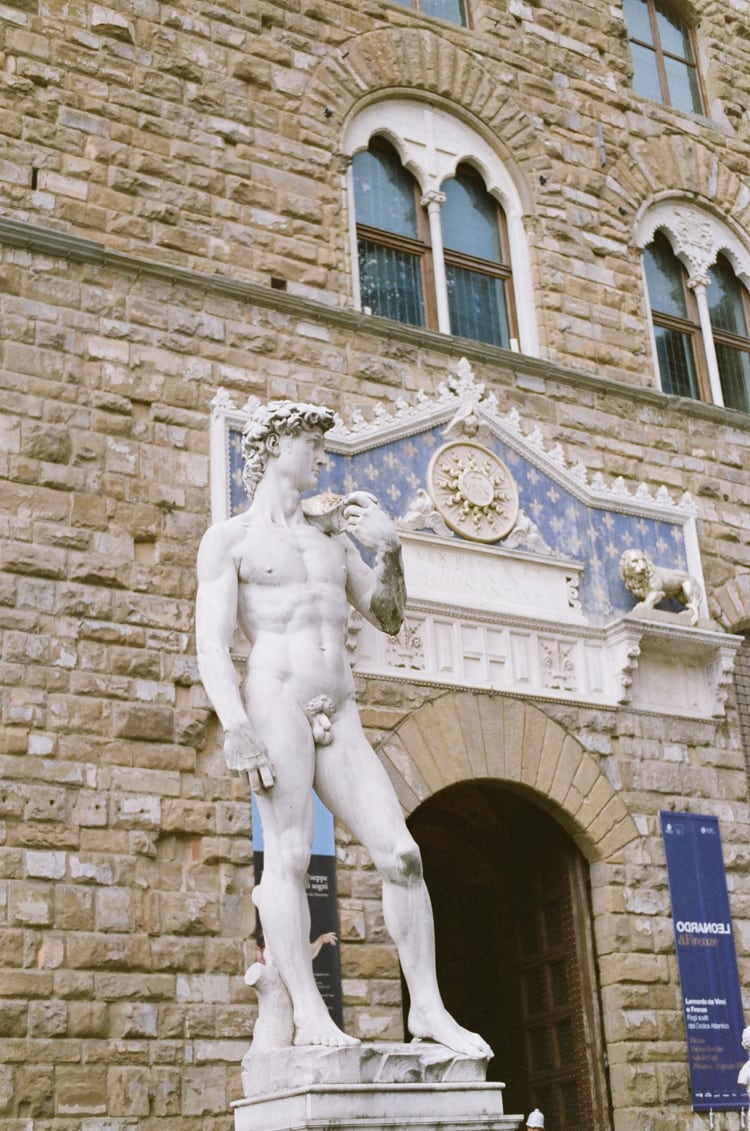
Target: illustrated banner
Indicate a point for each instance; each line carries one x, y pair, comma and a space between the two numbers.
707, 960
321, 898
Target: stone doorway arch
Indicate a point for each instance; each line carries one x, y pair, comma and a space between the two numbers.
464, 736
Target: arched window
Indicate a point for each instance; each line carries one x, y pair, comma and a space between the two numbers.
476, 260
697, 271
392, 238
664, 62
727, 304
448, 271
436, 222
452, 10
675, 320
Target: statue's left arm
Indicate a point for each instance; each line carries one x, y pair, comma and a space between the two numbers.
378, 592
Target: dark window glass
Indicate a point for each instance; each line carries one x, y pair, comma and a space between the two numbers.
725, 299
475, 272
384, 192
469, 218
391, 254
734, 371
664, 275
664, 67
391, 283
676, 362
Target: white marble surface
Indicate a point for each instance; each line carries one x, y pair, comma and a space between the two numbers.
379, 1107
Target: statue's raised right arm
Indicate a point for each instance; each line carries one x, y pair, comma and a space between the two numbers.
378, 593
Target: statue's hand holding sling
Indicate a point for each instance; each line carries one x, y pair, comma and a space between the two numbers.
244, 751
368, 523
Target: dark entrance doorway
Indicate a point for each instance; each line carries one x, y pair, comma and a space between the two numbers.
515, 959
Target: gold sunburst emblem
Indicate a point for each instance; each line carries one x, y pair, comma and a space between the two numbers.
473, 491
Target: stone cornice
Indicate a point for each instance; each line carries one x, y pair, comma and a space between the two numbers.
78, 249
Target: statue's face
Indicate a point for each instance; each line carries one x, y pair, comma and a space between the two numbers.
301, 458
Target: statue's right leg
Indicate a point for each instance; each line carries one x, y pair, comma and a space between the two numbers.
286, 812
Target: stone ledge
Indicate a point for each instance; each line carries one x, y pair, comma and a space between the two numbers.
75, 248
379, 1107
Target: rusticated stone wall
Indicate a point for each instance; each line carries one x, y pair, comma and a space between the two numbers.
210, 136
126, 917
173, 220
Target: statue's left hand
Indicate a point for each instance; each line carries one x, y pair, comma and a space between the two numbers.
368, 523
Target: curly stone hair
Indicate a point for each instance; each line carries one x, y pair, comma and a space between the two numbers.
279, 418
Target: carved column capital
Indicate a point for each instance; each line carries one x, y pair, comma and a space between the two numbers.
432, 200
694, 241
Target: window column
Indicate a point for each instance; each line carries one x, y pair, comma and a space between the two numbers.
699, 286
432, 200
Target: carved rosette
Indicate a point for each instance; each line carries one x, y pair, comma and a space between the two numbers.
473, 491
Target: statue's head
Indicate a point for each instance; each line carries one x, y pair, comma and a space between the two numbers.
746, 1038
277, 418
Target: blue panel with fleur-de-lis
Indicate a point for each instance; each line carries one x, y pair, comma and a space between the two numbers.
594, 536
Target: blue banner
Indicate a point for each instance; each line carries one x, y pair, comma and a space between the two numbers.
321, 899
707, 960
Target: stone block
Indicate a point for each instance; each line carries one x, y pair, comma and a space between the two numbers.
127, 1092
133, 1019
114, 909
31, 906
87, 1019
189, 913
49, 442
48, 1019
81, 1090
166, 1091
152, 724
204, 1091
363, 961
45, 865
36, 1088
110, 952
74, 908
13, 1018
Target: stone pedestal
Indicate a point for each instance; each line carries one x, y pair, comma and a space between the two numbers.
381, 1087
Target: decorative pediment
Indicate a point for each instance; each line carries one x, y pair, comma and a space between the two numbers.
511, 555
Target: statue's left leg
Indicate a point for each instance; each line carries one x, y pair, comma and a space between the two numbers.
351, 781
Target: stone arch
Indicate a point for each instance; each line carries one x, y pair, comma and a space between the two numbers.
461, 736
677, 166
730, 604
402, 62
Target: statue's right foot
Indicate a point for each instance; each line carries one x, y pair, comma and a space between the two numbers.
322, 1031
438, 1025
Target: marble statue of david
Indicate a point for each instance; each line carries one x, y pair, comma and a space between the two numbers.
287, 578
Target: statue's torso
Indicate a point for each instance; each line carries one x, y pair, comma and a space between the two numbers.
292, 606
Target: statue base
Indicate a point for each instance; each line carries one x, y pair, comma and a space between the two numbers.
383, 1087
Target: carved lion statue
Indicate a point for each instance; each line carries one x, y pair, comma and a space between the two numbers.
652, 583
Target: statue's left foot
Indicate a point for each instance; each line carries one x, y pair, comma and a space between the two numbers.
438, 1025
